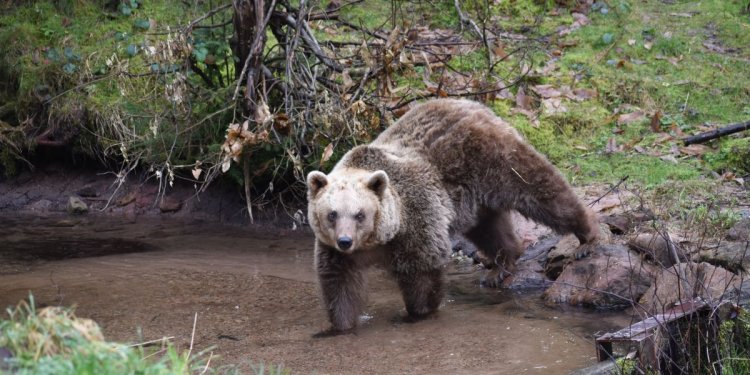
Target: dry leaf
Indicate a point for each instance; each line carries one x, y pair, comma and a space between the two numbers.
499, 50
684, 15
546, 91
611, 146
281, 124
553, 105
669, 158
197, 172
656, 122
358, 107
695, 150
676, 130
327, 153
347, 81
262, 115
583, 94
522, 100
648, 45
631, 42
629, 117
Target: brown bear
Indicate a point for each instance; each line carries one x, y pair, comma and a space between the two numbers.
446, 167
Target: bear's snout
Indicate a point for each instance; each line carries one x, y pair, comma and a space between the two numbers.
344, 242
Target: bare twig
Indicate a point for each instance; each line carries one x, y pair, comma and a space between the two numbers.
595, 201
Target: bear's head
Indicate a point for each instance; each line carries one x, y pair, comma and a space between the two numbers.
352, 209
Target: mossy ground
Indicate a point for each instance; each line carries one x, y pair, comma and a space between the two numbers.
645, 56
686, 61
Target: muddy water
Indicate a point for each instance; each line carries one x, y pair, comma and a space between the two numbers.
255, 296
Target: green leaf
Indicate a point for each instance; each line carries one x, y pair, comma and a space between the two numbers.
120, 36
142, 24
134, 4
69, 68
101, 70
125, 10
608, 38
71, 55
53, 55
132, 50
200, 54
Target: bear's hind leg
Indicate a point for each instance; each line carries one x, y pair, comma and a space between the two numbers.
496, 240
422, 291
342, 284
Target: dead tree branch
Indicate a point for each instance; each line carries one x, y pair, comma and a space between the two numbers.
717, 133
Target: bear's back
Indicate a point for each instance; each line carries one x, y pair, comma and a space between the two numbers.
460, 138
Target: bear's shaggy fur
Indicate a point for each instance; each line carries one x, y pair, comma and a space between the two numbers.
447, 166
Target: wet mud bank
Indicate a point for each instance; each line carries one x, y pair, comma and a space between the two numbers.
255, 295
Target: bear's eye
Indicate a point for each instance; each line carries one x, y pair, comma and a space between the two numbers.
360, 216
332, 216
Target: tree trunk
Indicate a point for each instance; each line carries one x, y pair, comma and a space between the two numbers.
249, 41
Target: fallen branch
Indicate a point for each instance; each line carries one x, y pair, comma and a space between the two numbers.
717, 133
468, 21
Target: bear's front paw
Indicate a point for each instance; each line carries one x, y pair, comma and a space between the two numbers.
331, 332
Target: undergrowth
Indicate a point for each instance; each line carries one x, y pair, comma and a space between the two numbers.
113, 84
53, 340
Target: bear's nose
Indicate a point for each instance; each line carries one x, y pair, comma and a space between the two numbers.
344, 242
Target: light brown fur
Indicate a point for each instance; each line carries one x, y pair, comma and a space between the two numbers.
447, 166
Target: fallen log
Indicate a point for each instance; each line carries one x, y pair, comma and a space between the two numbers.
713, 134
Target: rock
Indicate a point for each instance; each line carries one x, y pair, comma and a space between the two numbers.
127, 199
5, 358
608, 367
613, 277
87, 192
529, 275
76, 206
530, 272
618, 224
734, 256
656, 248
740, 231
539, 252
169, 204
42, 205
625, 222
563, 252
739, 294
569, 249
685, 282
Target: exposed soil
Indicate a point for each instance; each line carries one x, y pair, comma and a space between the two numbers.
256, 300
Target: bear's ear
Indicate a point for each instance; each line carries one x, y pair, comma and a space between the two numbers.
316, 180
377, 182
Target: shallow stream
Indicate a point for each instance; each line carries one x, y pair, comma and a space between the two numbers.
256, 300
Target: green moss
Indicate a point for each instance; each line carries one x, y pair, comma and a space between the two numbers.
734, 344
733, 155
